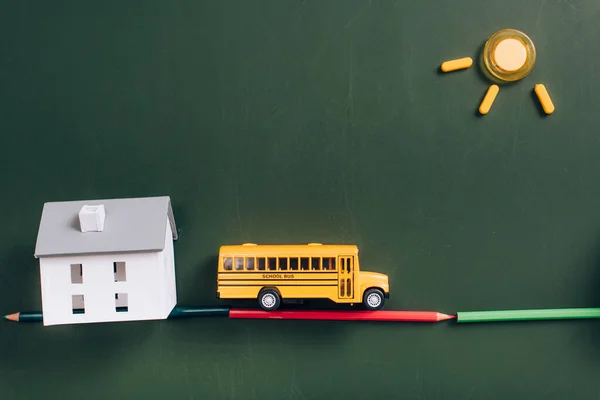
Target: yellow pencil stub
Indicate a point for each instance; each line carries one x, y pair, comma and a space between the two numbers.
455, 65
544, 98
489, 98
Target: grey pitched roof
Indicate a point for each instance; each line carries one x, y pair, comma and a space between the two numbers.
137, 224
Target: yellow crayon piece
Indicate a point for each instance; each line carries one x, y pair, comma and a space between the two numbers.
454, 65
544, 98
489, 98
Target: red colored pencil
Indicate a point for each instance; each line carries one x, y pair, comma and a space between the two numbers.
359, 315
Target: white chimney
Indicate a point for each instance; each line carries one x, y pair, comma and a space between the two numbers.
91, 218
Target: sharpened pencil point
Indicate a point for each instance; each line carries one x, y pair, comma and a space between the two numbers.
12, 317
444, 317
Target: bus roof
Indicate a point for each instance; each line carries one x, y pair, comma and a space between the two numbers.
315, 249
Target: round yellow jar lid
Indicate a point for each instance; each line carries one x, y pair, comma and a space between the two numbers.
509, 55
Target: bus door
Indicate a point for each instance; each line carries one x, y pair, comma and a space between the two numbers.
345, 277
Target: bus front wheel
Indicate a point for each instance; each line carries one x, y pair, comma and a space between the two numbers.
269, 300
373, 299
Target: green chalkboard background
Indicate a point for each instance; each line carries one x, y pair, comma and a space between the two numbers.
299, 121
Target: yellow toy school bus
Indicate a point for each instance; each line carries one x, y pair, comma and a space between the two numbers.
271, 273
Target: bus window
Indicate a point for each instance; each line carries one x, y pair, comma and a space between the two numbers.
294, 263
283, 263
315, 263
261, 263
238, 263
272, 265
227, 263
250, 263
304, 263
328, 264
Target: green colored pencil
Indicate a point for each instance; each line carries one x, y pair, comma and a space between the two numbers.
187, 312
177, 312
528, 315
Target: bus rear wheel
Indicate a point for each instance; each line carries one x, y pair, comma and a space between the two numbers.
269, 300
373, 299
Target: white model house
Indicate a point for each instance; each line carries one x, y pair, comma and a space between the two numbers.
107, 260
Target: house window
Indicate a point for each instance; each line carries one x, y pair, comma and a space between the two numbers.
119, 271
121, 304
76, 273
78, 304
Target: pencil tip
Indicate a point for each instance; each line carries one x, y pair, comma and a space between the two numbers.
12, 317
444, 317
